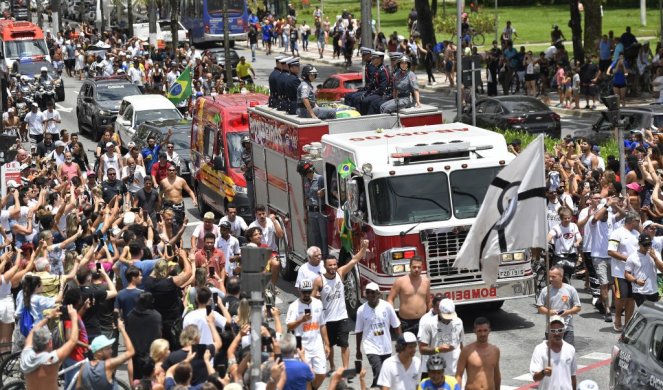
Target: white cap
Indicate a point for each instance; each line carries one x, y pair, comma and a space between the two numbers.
557, 318
448, 309
60, 144
407, 338
129, 218
372, 286
12, 184
306, 285
647, 223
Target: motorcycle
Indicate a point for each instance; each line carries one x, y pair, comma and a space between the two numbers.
45, 94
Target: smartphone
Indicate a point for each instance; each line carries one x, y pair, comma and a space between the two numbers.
98, 266
268, 309
215, 297
349, 373
358, 366
211, 272
221, 370
266, 343
307, 312
277, 358
559, 313
208, 308
200, 351
169, 250
116, 316
299, 342
134, 209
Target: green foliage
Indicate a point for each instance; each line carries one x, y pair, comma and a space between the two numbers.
483, 22
608, 148
250, 88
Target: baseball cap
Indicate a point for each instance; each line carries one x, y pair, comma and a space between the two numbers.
91, 173
208, 215
634, 186
110, 144
407, 338
101, 342
129, 218
12, 184
131, 145
225, 225
35, 105
24, 167
647, 223
59, 144
306, 285
644, 239
448, 309
556, 318
372, 287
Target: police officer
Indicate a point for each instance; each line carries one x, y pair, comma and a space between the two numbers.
374, 108
353, 99
314, 192
273, 97
281, 82
394, 56
306, 107
404, 86
247, 168
381, 81
291, 86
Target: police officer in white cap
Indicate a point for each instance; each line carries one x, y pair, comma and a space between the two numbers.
281, 80
306, 101
273, 76
354, 98
291, 86
381, 82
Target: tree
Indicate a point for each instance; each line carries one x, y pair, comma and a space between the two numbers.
576, 32
174, 23
433, 6
593, 23
425, 22
130, 18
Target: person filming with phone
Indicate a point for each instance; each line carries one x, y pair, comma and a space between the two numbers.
640, 271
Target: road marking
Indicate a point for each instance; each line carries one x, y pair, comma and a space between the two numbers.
597, 356
76, 92
63, 109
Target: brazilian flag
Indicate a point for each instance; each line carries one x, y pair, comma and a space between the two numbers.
181, 89
345, 168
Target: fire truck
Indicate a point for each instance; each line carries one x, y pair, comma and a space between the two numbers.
413, 189
21, 40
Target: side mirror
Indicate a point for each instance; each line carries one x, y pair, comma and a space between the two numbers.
218, 164
353, 195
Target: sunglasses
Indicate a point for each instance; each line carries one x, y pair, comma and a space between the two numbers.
556, 331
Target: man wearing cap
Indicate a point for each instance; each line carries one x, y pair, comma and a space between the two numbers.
113, 186
35, 123
151, 151
561, 374
354, 98
306, 319
281, 80
623, 242
201, 230
52, 121
640, 271
316, 221
381, 82
46, 146
444, 337
57, 155
99, 373
291, 86
110, 159
273, 76
230, 247
375, 320
401, 371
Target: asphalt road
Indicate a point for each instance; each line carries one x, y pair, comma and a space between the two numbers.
516, 327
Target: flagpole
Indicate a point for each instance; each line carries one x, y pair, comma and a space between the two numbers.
545, 222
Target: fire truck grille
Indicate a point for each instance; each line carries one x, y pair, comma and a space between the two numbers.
441, 251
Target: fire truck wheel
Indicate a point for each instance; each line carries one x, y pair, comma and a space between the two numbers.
492, 306
352, 299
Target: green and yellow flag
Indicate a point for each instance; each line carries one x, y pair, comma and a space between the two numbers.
345, 168
181, 89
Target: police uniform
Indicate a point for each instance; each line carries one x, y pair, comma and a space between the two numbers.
273, 76
281, 80
353, 99
404, 83
291, 85
381, 82
316, 226
374, 108
305, 91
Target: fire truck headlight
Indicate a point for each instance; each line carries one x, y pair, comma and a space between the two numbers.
514, 257
519, 256
397, 260
239, 189
507, 257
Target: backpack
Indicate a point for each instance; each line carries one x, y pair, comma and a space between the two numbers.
26, 322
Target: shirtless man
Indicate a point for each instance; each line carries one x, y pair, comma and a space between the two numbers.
481, 359
413, 291
171, 193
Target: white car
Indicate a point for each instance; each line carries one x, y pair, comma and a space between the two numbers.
138, 109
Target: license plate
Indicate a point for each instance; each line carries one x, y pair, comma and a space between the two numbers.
511, 273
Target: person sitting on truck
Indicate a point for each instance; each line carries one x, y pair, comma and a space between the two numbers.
381, 82
306, 102
353, 99
291, 86
404, 87
281, 81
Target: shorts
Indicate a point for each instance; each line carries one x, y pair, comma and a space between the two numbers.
588, 90
531, 77
448, 66
318, 363
642, 298
410, 325
602, 268
321, 45
7, 310
619, 86
338, 332
623, 289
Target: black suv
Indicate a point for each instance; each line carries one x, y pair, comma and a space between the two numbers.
637, 358
33, 69
634, 118
99, 100
181, 139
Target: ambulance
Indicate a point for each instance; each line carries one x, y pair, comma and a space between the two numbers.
219, 124
21, 40
410, 185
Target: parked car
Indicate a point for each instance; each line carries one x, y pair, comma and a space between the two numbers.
138, 109
515, 112
99, 101
337, 85
181, 139
220, 55
32, 69
638, 355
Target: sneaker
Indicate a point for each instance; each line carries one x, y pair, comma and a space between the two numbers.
593, 107
587, 107
608, 317
617, 328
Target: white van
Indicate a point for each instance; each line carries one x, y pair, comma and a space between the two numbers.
142, 31
138, 109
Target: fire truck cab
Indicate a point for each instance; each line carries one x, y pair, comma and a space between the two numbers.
410, 190
21, 40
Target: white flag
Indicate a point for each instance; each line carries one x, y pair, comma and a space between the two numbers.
512, 216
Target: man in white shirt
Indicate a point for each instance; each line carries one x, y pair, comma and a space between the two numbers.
271, 228
198, 317
230, 247
237, 223
428, 320
640, 271
311, 269
57, 155
401, 371
136, 75
306, 319
443, 337
35, 123
561, 374
623, 243
375, 319
52, 121
133, 176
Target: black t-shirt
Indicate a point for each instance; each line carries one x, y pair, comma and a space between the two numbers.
253, 36
93, 314
231, 303
109, 190
588, 72
166, 297
197, 365
43, 149
148, 201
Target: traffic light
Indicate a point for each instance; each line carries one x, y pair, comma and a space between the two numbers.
253, 278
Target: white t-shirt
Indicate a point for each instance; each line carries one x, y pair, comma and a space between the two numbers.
35, 121
198, 317
435, 332
308, 331
375, 324
199, 232
395, 376
586, 236
52, 127
308, 272
230, 248
641, 266
564, 237
236, 226
551, 214
563, 366
624, 242
268, 233
599, 232
332, 295
136, 184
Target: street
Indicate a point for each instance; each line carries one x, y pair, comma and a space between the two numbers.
516, 327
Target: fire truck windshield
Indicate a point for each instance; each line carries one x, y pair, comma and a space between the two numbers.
25, 48
406, 199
